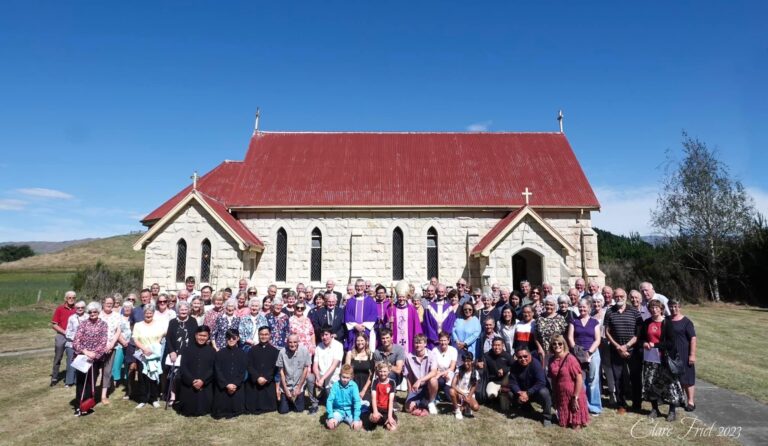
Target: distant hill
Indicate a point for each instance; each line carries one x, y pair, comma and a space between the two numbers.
49, 247
116, 252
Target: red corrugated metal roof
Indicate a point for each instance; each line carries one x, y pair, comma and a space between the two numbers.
495, 231
285, 169
235, 224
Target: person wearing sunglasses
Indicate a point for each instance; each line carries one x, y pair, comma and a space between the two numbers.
163, 311
466, 330
90, 340
528, 383
300, 325
567, 379
72, 323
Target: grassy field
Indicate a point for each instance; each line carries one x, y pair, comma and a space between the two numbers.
731, 342
720, 329
46, 415
116, 252
19, 288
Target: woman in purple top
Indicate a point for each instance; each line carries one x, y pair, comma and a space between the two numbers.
584, 331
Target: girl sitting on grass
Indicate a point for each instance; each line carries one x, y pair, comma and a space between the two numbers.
383, 398
344, 401
462, 389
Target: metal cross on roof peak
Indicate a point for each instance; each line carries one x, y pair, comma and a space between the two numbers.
527, 195
194, 180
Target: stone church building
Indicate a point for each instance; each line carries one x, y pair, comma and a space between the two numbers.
308, 207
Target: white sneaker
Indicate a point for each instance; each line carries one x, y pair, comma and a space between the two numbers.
432, 408
140, 405
155, 404
458, 414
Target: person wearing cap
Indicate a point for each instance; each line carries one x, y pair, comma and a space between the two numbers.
230, 369
195, 393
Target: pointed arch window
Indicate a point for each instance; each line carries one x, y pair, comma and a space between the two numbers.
432, 269
281, 263
397, 254
181, 260
316, 260
205, 261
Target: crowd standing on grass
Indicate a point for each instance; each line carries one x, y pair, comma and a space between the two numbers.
219, 353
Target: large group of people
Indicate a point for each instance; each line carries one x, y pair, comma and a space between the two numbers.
225, 353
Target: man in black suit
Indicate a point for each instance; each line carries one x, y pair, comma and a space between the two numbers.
332, 316
329, 286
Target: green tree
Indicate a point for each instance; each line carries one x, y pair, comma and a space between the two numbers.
703, 210
9, 253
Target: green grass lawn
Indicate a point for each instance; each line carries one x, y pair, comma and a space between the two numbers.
46, 415
731, 344
22, 288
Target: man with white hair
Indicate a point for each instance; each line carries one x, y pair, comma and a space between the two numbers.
546, 290
649, 293
329, 288
59, 324
594, 288
581, 286
463, 290
607, 294
242, 287
182, 296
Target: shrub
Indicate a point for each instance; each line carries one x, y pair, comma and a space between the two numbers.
99, 280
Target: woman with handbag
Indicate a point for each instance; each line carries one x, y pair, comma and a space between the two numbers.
659, 383
90, 340
682, 340
570, 399
584, 335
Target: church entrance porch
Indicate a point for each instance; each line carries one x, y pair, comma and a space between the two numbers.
527, 265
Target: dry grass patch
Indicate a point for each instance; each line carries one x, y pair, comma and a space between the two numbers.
116, 252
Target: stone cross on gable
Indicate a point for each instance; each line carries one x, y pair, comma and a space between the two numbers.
527, 195
194, 180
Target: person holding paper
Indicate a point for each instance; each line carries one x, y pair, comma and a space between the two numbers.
91, 341
659, 384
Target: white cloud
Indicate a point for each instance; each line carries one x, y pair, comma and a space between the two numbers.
625, 211
10, 204
40, 192
628, 210
761, 199
479, 126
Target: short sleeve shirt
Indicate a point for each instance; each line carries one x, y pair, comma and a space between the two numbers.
293, 364
444, 359
397, 354
383, 390
324, 357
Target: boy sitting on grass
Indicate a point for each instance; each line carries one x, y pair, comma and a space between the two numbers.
383, 397
343, 403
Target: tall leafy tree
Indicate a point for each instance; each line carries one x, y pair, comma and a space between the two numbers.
703, 210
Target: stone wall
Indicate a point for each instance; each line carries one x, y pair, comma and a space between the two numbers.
359, 244
193, 225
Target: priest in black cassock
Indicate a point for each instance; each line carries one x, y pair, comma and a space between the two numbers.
230, 367
260, 390
195, 392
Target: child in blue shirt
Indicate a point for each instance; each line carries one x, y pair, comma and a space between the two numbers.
343, 403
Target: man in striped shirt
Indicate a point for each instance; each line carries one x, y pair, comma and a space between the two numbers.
622, 323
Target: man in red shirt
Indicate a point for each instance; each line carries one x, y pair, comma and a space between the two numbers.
59, 325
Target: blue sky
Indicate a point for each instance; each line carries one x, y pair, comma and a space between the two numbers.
106, 108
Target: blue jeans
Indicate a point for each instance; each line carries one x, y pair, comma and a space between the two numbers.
592, 384
70, 378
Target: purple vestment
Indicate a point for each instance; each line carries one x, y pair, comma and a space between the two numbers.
410, 317
432, 325
363, 312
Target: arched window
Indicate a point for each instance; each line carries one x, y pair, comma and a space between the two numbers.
316, 260
397, 254
181, 260
281, 263
205, 261
431, 253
